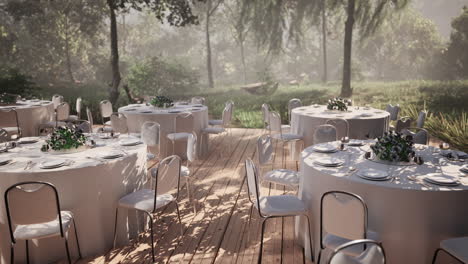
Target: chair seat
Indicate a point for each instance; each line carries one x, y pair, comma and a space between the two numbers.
108, 123
281, 205
458, 247
184, 171
332, 242
371, 255
213, 130
12, 131
283, 177
287, 136
178, 136
143, 200
43, 230
215, 122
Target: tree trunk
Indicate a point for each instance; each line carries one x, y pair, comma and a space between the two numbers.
67, 51
244, 68
114, 88
346, 90
324, 43
208, 47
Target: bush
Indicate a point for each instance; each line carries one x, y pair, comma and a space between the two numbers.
14, 82
158, 76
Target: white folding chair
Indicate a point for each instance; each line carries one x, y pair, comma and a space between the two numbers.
33, 212
77, 117
56, 100
372, 253
293, 103
119, 123
167, 181
402, 124
281, 176
325, 133
266, 116
191, 157
394, 110
343, 218
62, 112
225, 120
341, 125
10, 123
418, 135
272, 206
4, 137
105, 107
219, 130
276, 132
421, 119
455, 247
151, 136
181, 120
198, 100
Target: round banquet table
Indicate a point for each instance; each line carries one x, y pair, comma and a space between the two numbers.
137, 114
31, 113
363, 122
411, 217
88, 186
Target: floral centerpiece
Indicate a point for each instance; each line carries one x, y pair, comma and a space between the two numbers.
394, 147
338, 104
65, 139
161, 101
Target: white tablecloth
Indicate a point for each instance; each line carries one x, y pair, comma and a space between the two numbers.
410, 218
90, 187
305, 119
31, 114
137, 114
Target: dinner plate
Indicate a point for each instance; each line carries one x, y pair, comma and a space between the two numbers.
329, 161
355, 143
130, 109
52, 164
325, 148
373, 174
366, 115
464, 168
111, 155
174, 111
28, 140
130, 142
441, 179
4, 161
146, 112
315, 106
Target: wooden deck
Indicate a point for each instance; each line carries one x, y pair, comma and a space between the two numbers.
223, 230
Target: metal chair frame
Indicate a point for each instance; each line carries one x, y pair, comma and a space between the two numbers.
357, 242
355, 196
155, 171
293, 103
104, 102
334, 121
62, 233
266, 217
16, 119
182, 115
283, 141
436, 254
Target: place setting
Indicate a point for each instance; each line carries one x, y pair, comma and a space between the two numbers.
374, 174
325, 148
328, 161
130, 142
55, 163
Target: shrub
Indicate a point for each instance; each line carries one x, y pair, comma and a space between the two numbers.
14, 82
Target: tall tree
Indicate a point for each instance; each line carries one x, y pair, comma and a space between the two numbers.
177, 13
324, 42
211, 7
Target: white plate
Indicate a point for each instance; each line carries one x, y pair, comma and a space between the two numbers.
52, 164
130, 142
373, 174
464, 168
4, 161
366, 115
316, 106
111, 155
355, 142
174, 111
146, 112
329, 161
325, 148
28, 140
130, 109
441, 179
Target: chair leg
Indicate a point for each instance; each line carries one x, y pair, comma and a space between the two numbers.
77, 240
435, 255
67, 249
152, 236
312, 255
12, 253
261, 241
180, 220
319, 256
173, 147
115, 225
27, 251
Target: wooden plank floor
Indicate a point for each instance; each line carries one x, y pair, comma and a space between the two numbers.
223, 229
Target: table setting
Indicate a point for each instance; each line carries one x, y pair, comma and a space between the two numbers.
91, 173
415, 194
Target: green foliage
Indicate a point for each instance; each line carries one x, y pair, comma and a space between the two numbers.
158, 76
161, 101
14, 82
456, 55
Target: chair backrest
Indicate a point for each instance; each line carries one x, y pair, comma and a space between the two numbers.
90, 119
32, 203
421, 136
150, 133
325, 133
342, 214
79, 102
167, 176
341, 125
421, 119
198, 100
275, 122
252, 185
57, 99
402, 124
183, 122
62, 111
293, 103
192, 147
264, 149
4, 137
105, 107
119, 123
266, 114
9, 118
227, 115
393, 110
372, 253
